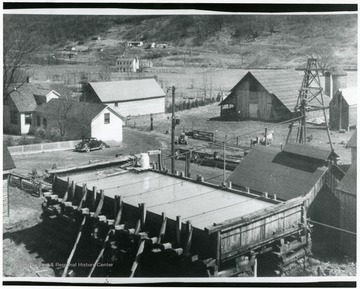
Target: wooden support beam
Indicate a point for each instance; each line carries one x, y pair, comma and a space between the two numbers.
74, 247
93, 200
178, 231
163, 228
142, 215
188, 239
101, 203
120, 209
54, 180
101, 252
8, 194
84, 196
137, 258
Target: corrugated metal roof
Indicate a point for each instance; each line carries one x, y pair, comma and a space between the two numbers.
284, 84
202, 205
8, 162
268, 169
352, 143
127, 90
308, 151
350, 95
348, 183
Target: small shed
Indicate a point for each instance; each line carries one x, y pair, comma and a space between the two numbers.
343, 109
265, 96
352, 143
345, 193
76, 120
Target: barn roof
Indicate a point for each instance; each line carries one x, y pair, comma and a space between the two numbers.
8, 162
74, 109
350, 95
284, 84
268, 169
309, 151
352, 143
127, 90
348, 182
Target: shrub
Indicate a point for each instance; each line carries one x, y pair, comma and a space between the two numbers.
40, 133
9, 141
25, 141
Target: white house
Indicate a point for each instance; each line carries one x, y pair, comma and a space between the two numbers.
76, 120
20, 104
127, 64
127, 97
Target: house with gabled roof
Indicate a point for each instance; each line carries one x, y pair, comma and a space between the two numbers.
22, 102
127, 97
266, 96
77, 120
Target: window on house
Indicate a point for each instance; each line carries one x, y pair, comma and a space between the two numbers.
107, 118
116, 104
28, 118
38, 121
45, 122
14, 117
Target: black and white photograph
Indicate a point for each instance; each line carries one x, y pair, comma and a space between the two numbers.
186, 142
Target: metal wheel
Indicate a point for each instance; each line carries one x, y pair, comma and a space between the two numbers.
87, 149
102, 146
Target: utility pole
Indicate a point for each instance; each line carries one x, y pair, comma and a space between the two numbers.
173, 131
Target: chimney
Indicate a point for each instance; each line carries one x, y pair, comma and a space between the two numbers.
335, 79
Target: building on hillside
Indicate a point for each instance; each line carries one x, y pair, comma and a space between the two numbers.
266, 96
127, 64
127, 97
8, 166
21, 103
77, 120
343, 109
352, 143
135, 43
345, 193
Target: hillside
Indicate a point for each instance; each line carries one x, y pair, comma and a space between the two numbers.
235, 41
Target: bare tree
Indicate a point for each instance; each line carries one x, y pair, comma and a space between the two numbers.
19, 42
325, 58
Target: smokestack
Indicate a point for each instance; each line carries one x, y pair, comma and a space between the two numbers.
335, 79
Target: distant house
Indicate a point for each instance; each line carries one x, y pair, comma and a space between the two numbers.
135, 43
162, 45
266, 96
70, 48
289, 173
95, 38
127, 64
352, 143
345, 193
127, 97
77, 120
145, 63
21, 103
343, 109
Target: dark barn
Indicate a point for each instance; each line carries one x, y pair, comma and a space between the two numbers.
265, 96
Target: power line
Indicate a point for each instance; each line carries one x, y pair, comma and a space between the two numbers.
332, 227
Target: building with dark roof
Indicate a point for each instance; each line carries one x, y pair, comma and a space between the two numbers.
266, 96
343, 109
8, 162
22, 102
283, 173
127, 97
75, 120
